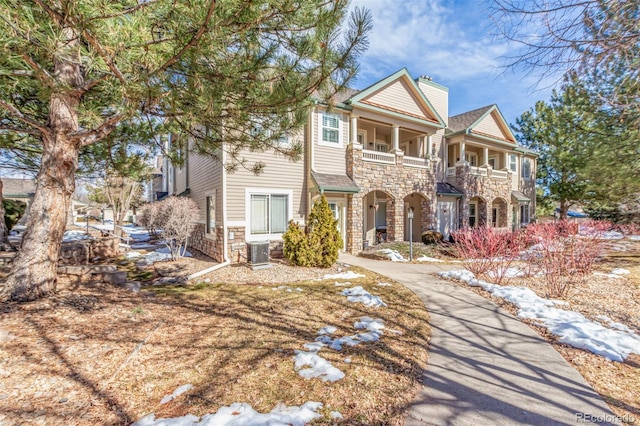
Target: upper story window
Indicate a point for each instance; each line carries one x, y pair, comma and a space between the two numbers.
330, 129
513, 162
526, 168
471, 158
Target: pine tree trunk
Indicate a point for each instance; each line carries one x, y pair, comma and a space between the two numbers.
564, 209
34, 271
4, 232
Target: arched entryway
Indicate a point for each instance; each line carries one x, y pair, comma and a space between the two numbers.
377, 216
498, 214
421, 208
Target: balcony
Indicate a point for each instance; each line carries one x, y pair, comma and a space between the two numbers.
378, 157
481, 171
417, 162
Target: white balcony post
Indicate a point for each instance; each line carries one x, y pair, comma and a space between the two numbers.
506, 161
354, 129
429, 147
395, 138
462, 152
485, 154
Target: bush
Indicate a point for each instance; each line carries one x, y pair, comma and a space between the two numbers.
318, 244
431, 237
566, 259
13, 211
148, 217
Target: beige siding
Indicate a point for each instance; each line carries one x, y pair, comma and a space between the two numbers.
439, 99
329, 159
180, 184
279, 173
205, 178
490, 126
398, 95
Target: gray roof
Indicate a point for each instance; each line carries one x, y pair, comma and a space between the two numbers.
520, 197
341, 96
443, 188
18, 187
463, 121
334, 183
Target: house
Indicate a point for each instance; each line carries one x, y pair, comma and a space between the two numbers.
376, 154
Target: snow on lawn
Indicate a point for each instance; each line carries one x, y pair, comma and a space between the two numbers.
242, 414
318, 366
289, 289
359, 294
74, 235
429, 259
571, 327
634, 237
394, 255
176, 393
508, 273
139, 234
620, 271
158, 255
374, 332
349, 275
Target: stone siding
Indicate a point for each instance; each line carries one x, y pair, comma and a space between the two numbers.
396, 180
210, 247
76, 252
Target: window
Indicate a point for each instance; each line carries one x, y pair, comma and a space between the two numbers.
493, 162
362, 137
471, 158
513, 162
473, 209
330, 129
211, 214
526, 168
494, 217
269, 213
524, 214
382, 147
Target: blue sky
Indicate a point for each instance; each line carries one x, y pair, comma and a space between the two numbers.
454, 43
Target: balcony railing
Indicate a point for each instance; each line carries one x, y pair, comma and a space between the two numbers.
478, 171
378, 157
416, 162
499, 174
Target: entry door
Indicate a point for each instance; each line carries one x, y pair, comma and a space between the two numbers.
446, 217
337, 208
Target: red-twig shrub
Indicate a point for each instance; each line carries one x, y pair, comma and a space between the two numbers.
565, 259
487, 252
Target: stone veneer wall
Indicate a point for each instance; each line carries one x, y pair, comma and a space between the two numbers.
208, 246
396, 180
485, 187
76, 252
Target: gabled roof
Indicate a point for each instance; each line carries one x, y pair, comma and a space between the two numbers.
466, 123
429, 114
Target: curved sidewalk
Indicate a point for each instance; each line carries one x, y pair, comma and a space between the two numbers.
485, 367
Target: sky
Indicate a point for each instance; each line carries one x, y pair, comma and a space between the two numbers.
453, 42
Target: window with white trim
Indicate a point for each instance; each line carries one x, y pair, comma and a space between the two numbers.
211, 214
526, 168
330, 131
493, 161
513, 162
269, 213
382, 146
524, 214
473, 214
471, 158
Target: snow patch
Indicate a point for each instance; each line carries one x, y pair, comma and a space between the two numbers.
360, 295
571, 327
176, 393
394, 255
620, 271
429, 259
318, 367
242, 414
349, 275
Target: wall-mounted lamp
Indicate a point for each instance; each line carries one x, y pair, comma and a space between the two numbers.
372, 206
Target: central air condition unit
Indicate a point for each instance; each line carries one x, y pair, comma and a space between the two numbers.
258, 254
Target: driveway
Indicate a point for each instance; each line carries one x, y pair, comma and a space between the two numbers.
485, 366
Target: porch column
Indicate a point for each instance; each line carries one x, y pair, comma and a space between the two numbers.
395, 138
354, 129
485, 154
462, 152
506, 161
429, 143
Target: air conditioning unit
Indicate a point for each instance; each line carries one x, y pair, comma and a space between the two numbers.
258, 254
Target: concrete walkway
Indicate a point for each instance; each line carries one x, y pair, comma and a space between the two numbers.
485, 367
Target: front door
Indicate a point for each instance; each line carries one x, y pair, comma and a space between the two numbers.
446, 217
337, 208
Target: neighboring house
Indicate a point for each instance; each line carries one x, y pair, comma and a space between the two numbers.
376, 154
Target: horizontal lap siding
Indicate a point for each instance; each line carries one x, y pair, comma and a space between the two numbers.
205, 177
490, 126
328, 159
279, 173
399, 96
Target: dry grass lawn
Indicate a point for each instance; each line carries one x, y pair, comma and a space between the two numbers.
102, 355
